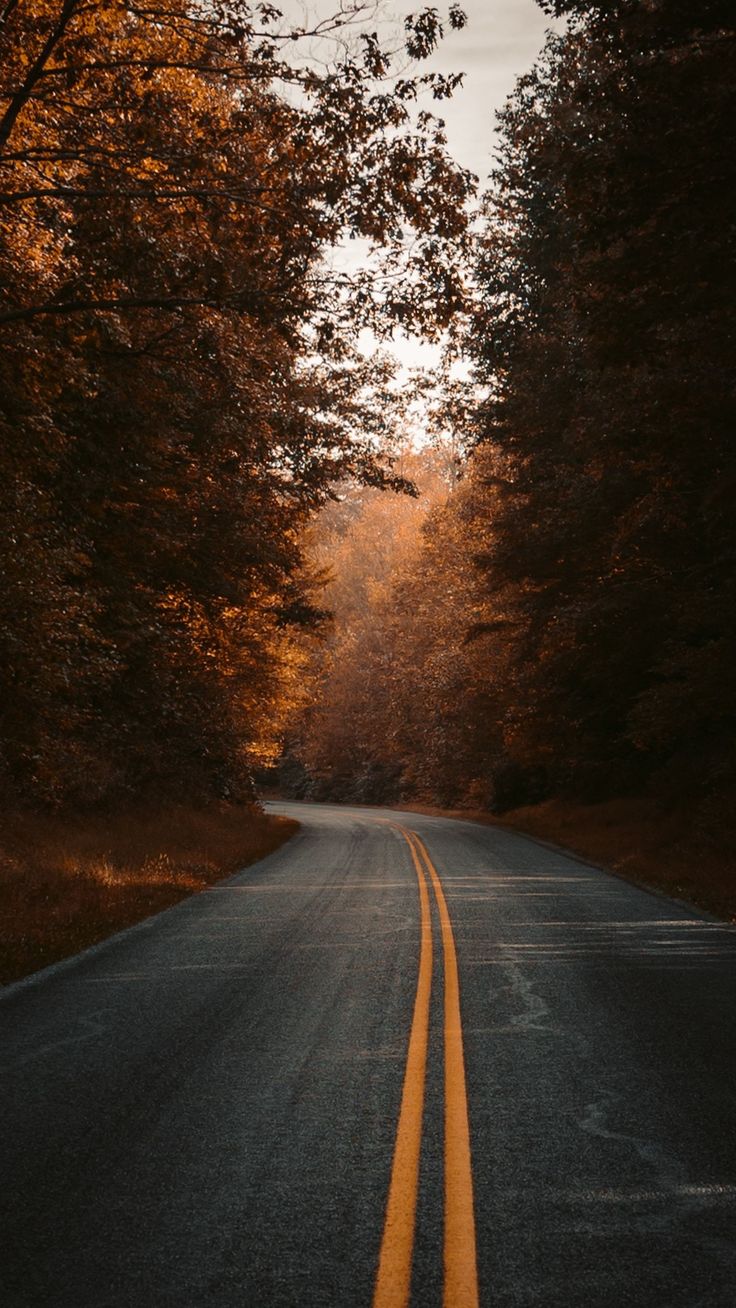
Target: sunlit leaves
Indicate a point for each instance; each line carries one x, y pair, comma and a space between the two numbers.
567, 622
112, 80
180, 384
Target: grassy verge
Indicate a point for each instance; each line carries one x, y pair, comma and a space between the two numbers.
66, 883
690, 857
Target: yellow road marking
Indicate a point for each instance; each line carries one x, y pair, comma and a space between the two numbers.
460, 1257
393, 1281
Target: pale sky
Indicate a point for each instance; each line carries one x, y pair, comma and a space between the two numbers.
500, 42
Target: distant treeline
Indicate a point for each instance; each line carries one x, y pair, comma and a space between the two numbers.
567, 624
179, 387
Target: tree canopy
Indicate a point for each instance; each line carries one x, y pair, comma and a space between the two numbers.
182, 393
571, 621
180, 385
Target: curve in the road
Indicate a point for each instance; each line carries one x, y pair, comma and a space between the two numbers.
211, 1109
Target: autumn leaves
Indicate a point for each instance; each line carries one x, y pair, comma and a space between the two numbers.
180, 386
181, 391
564, 622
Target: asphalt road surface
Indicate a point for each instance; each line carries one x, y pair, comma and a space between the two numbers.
264, 1097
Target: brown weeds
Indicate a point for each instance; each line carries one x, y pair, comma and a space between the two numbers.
68, 882
684, 852
678, 851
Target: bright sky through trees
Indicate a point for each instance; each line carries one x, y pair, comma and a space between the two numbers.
501, 41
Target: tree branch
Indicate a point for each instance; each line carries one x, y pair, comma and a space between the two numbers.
24, 92
169, 304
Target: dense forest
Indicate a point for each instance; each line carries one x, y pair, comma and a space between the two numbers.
218, 547
562, 621
180, 382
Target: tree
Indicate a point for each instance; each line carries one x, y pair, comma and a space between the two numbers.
567, 624
603, 336
349, 741
181, 388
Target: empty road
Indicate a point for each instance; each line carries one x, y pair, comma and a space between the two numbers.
401, 1060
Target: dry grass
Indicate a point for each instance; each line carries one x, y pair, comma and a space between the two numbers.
683, 853
66, 883
666, 849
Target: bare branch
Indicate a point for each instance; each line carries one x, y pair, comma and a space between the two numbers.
25, 91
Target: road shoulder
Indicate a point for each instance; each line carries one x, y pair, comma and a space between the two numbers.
633, 839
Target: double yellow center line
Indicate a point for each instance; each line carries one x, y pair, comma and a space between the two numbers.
393, 1281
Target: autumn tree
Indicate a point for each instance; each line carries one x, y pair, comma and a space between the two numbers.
180, 387
348, 744
569, 619
603, 337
